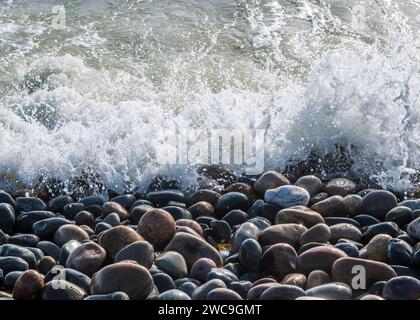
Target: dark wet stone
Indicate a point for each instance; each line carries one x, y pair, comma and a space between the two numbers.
45, 229
279, 260
38, 253
160, 198
130, 278
345, 231
353, 204
416, 259
12, 250
173, 264
247, 230
332, 221
49, 248
113, 240
66, 250
233, 267
365, 220
62, 290
92, 201
109, 296
24, 240
318, 258
220, 230
188, 288
191, 224
269, 211
240, 287
349, 248
125, 200
180, 281
205, 220
400, 252
204, 195
102, 227
69, 232
84, 218
400, 215
412, 204
7, 217
261, 222
402, 288
113, 219
174, 294
299, 215
331, 291
95, 210
282, 233
244, 188
57, 204
406, 271
138, 211
72, 209
140, 251
413, 229
9, 264
46, 264
317, 278
114, 207
389, 228
7, 198
331, 207
222, 274
377, 288
201, 268
235, 217
201, 208
86, 258
317, 198
202, 291
3, 237
318, 233
163, 282
295, 279
310, 183
311, 245
230, 201
256, 208
157, 226
11, 278
223, 294
378, 203
270, 180
28, 285
341, 187
257, 290
30, 204
192, 248
341, 270
178, 213
282, 292
250, 255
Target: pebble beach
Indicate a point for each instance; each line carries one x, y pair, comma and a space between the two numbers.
267, 238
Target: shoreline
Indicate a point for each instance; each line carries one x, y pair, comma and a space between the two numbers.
234, 238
